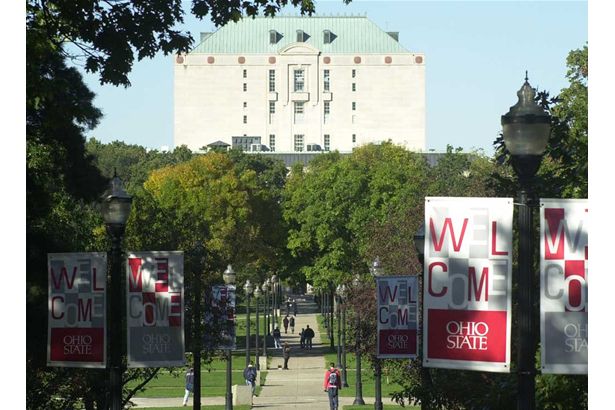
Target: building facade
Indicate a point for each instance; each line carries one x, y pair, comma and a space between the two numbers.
299, 84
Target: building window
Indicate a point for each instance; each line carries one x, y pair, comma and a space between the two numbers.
271, 107
299, 80
273, 37
245, 87
354, 73
245, 119
327, 142
300, 36
354, 106
245, 73
327, 110
299, 142
354, 86
245, 143
272, 142
299, 111
326, 81
326, 37
271, 80
245, 104
354, 138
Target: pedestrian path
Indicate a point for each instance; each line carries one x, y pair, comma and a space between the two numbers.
299, 387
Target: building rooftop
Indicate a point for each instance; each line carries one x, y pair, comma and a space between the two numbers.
347, 34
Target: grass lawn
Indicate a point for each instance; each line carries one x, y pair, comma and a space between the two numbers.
220, 407
384, 406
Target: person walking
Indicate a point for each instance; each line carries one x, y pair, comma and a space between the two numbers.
286, 353
249, 373
285, 323
277, 338
309, 335
295, 309
291, 323
332, 386
189, 384
302, 338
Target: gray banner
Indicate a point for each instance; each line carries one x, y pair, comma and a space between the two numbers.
151, 346
565, 338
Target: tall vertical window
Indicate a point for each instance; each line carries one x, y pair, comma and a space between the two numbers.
326, 81
299, 80
327, 110
272, 142
245, 87
354, 86
245, 119
245, 73
271, 107
299, 111
354, 73
299, 142
273, 36
300, 36
327, 142
326, 37
354, 106
354, 138
271, 80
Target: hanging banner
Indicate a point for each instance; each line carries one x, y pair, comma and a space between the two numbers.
397, 316
76, 331
155, 309
467, 283
220, 318
563, 285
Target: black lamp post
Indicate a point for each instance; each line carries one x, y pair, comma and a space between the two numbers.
257, 295
526, 128
229, 277
115, 210
358, 398
265, 288
341, 289
274, 297
376, 271
248, 288
419, 244
196, 342
338, 311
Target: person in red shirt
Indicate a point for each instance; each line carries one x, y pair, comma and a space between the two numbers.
332, 385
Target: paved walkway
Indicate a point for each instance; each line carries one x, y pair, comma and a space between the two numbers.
299, 387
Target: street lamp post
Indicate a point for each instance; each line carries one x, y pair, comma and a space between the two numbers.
115, 210
274, 287
248, 288
338, 311
526, 128
331, 307
358, 398
257, 295
196, 342
419, 244
342, 295
229, 279
376, 271
265, 288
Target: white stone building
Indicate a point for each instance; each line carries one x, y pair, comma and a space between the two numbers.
298, 84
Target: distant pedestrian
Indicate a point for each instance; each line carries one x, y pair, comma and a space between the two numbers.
286, 353
287, 306
302, 338
249, 373
189, 384
295, 309
309, 335
285, 323
332, 385
277, 338
291, 323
